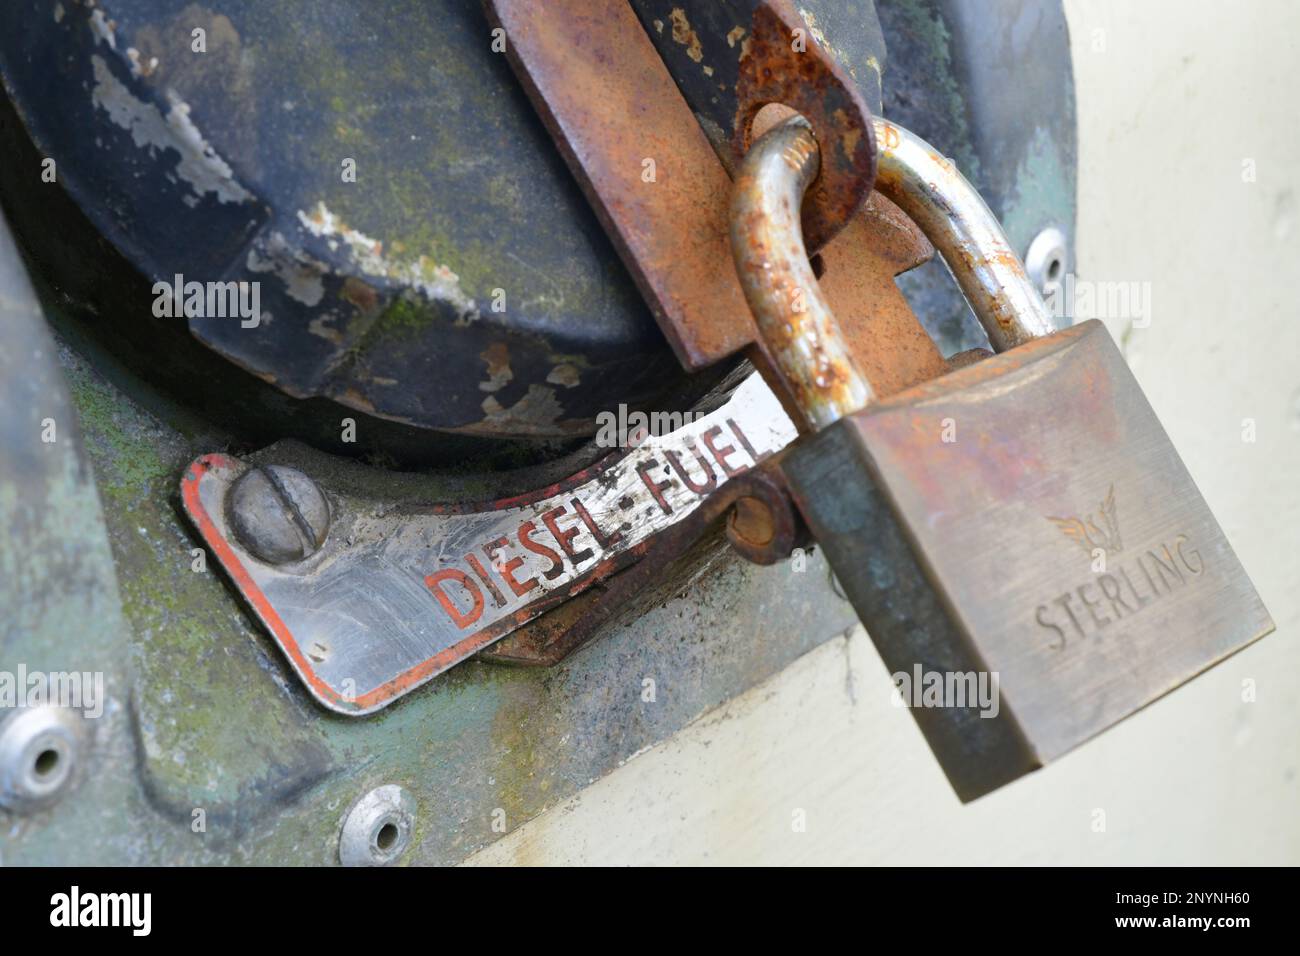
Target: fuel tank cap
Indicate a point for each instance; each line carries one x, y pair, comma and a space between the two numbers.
401, 235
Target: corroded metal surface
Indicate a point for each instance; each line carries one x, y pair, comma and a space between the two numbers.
610, 102
885, 337
802, 336
1057, 542
703, 42
209, 715
394, 597
784, 64
799, 331
643, 162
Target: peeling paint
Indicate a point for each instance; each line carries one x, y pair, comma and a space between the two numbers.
734, 35
840, 57
539, 407
320, 326
566, 375
301, 274
685, 35
434, 280
200, 167
497, 357
100, 25
139, 68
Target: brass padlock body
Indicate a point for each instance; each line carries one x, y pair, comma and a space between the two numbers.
1026, 517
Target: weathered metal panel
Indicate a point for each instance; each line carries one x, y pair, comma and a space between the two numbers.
460, 282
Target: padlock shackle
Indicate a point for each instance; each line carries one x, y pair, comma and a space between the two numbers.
799, 331
800, 334
934, 194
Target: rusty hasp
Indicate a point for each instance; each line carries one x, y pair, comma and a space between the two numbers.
369, 602
661, 190
640, 157
784, 64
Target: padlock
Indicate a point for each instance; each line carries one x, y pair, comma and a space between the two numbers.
1019, 536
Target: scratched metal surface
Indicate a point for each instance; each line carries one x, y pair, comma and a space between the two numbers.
396, 595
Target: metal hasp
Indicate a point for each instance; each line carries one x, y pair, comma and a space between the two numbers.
1019, 537
639, 153
783, 64
641, 159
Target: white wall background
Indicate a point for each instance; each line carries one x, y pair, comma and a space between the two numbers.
1177, 102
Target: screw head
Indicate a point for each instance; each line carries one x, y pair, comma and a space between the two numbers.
39, 751
278, 514
377, 830
1047, 260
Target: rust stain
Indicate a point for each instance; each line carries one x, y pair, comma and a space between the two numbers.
673, 234
603, 92
685, 35
497, 358
772, 70
360, 294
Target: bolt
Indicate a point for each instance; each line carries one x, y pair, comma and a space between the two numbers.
1046, 261
752, 521
377, 830
278, 514
39, 750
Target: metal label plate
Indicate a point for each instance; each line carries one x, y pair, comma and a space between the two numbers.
391, 600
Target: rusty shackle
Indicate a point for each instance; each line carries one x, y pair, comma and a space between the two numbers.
795, 320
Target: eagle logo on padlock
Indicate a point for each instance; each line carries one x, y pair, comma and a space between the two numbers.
1088, 534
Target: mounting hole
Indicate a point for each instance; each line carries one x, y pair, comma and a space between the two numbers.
378, 828
1046, 259
386, 838
768, 116
46, 763
39, 751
